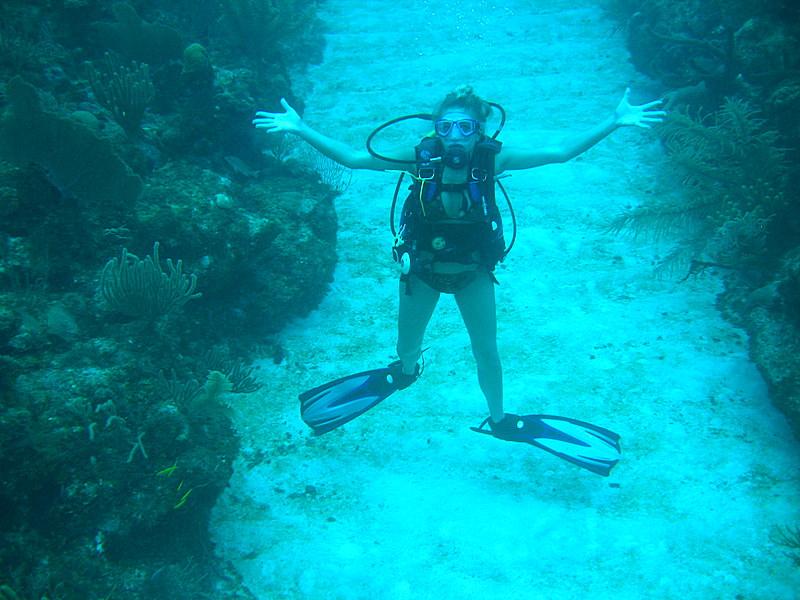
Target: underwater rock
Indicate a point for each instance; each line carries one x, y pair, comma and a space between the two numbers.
61, 324
136, 39
771, 316
196, 67
783, 107
27, 198
764, 47
87, 118
284, 252
775, 348
9, 322
78, 161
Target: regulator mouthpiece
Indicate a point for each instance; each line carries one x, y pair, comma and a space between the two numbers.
455, 156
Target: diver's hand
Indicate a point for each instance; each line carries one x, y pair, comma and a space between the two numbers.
288, 121
643, 115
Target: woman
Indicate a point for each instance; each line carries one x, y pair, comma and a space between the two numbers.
444, 259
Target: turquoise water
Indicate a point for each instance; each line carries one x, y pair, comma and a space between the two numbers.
151, 443
406, 502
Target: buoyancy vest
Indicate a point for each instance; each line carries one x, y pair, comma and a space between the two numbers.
428, 234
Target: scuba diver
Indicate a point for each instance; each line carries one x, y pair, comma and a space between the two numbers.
449, 240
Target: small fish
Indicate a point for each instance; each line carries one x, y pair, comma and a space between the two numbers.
168, 471
183, 499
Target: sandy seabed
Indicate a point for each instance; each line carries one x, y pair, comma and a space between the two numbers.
407, 502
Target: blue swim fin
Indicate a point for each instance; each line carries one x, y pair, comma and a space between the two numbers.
591, 447
337, 402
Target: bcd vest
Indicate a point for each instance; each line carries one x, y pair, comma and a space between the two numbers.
428, 234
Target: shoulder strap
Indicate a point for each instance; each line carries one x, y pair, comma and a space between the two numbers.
485, 152
429, 156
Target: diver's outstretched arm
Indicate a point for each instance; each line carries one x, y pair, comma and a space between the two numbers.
290, 122
625, 115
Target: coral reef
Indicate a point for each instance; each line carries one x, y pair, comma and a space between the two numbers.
140, 288
78, 161
263, 27
240, 376
136, 39
196, 68
117, 383
136, 474
123, 90
738, 210
771, 315
789, 538
285, 250
743, 47
736, 176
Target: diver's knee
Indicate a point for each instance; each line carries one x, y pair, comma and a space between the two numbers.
486, 356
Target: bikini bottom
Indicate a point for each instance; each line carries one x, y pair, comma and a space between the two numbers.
448, 283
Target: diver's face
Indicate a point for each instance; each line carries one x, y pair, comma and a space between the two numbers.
456, 126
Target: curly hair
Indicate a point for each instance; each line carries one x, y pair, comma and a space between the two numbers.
464, 97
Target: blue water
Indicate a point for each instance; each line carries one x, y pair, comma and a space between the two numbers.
151, 444
406, 502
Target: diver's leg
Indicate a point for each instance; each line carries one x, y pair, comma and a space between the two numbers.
477, 305
415, 312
